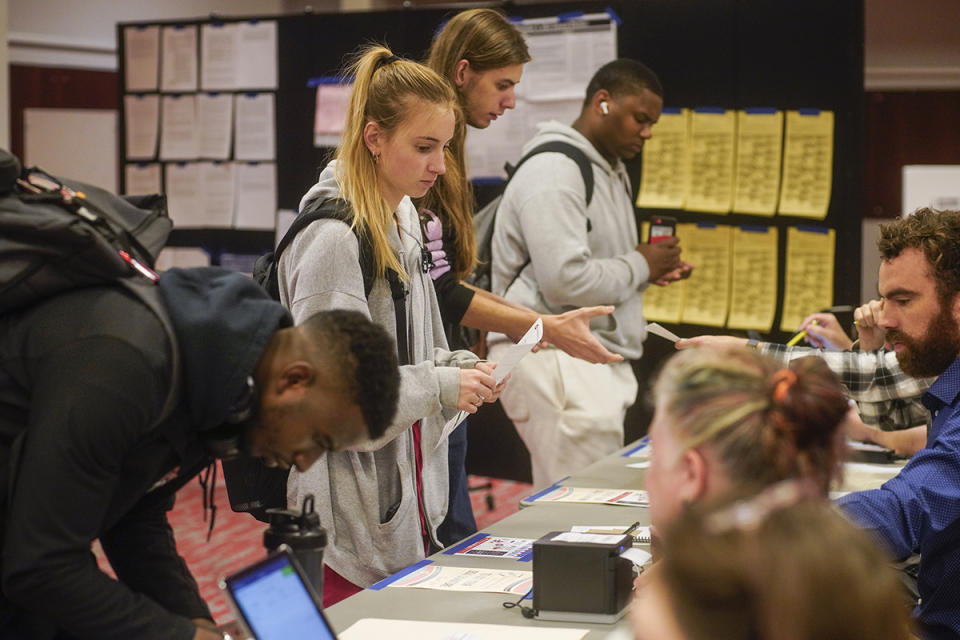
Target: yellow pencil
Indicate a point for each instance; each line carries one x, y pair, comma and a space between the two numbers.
797, 338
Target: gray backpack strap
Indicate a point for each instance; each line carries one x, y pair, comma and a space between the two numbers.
149, 294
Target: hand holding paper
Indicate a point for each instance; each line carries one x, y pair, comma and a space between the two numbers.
658, 330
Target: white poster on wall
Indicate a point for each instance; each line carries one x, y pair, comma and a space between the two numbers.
931, 185
74, 143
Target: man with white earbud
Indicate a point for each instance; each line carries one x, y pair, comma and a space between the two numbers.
558, 245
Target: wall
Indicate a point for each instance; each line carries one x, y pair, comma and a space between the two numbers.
82, 33
912, 45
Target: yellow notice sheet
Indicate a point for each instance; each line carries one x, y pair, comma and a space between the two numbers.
713, 134
753, 281
663, 304
706, 245
757, 176
807, 164
809, 279
663, 181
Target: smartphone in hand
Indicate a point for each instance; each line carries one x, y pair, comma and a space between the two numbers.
662, 228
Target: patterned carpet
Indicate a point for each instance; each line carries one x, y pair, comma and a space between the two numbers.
237, 538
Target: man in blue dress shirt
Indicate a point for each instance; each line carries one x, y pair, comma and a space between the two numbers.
918, 511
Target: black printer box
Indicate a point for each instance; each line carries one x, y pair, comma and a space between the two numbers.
581, 573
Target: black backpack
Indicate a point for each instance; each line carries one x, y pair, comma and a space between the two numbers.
485, 219
58, 234
265, 268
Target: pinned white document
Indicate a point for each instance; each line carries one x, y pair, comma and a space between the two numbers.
142, 116
184, 200
214, 125
217, 180
178, 71
218, 56
141, 57
257, 55
658, 330
253, 137
256, 199
178, 139
141, 179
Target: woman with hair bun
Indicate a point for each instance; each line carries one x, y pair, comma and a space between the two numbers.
735, 421
781, 565
381, 503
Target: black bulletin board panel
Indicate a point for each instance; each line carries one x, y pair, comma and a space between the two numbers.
727, 53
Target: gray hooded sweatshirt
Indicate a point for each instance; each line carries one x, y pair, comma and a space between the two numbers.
366, 497
543, 218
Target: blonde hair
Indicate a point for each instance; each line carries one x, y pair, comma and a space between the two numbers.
485, 39
799, 572
384, 89
765, 422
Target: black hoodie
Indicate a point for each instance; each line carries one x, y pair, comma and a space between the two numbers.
83, 380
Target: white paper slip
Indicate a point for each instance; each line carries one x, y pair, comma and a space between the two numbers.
587, 538
511, 357
515, 353
644, 464
420, 630
637, 556
640, 534
865, 446
658, 330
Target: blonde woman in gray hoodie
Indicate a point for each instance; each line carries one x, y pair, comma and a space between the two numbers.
381, 503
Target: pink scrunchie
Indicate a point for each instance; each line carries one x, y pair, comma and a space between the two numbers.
433, 231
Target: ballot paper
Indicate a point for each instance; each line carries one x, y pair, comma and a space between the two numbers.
658, 330
422, 630
434, 576
623, 497
497, 547
511, 357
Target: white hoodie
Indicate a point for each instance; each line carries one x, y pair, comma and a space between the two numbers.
543, 217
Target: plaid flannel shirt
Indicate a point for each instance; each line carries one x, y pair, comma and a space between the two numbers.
886, 397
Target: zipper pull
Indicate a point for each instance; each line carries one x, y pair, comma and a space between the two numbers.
141, 268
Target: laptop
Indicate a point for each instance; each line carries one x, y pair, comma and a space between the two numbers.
274, 600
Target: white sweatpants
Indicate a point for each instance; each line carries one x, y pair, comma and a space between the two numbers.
568, 412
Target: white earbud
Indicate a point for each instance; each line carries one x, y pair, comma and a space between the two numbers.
604, 107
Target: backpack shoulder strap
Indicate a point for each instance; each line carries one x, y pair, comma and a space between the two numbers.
332, 208
340, 209
586, 171
149, 294
571, 151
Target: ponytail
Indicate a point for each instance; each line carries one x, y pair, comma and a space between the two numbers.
383, 87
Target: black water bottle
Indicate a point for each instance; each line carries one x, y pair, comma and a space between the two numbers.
303, 534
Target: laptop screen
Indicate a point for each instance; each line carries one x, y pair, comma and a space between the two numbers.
275, 603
